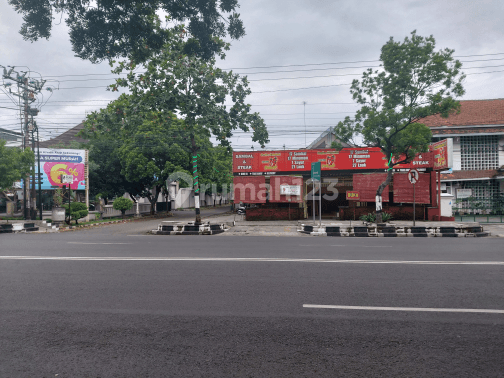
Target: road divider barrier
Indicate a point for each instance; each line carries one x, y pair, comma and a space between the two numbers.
189, 228
391, 230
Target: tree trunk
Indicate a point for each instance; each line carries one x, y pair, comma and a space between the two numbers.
194, 155
379, 191
153, 200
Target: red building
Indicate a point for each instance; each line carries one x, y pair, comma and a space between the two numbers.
279, 183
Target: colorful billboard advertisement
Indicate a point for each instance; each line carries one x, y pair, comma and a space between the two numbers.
57, 162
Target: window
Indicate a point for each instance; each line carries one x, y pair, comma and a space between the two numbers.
479, 152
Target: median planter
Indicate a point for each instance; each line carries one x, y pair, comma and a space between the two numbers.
58, 215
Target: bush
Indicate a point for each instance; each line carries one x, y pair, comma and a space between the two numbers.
371, 217
77, 211
122, 204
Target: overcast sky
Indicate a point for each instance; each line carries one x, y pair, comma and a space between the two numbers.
323, 37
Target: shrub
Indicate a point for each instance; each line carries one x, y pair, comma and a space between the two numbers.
371, 217
122, 204
77, 211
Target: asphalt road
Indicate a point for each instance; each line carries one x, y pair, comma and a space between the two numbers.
124, 304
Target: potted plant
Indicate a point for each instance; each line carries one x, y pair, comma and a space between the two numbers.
58, 211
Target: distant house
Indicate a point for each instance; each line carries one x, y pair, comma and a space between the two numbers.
325, 140
13, 138
65, 139
478, 153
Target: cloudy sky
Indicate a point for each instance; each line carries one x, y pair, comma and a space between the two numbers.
295, 51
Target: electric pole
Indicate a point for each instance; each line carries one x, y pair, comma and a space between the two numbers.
28, 88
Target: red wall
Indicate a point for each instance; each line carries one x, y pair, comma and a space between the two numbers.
250, 189
276, 181
263, 214
403, 189
367, 184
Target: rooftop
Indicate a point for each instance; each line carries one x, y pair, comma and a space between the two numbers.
472, 112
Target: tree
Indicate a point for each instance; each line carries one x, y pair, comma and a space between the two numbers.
75, 211
104, 29
197, 91
14, 165
122, 204
414, 81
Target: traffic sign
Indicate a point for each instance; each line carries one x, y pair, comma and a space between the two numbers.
66, 179
315, 171
413, 176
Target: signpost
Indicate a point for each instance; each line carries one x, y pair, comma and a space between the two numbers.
413, 177
68, 179
352, 196
315, 176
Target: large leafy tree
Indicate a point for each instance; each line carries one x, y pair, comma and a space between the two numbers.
197, 91
414, 81
14, 165
103, 29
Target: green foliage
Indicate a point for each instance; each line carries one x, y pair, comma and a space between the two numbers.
414, 82
76, 211
58, 197
371, 217
14, 164
195, 89
122, 204
117, 28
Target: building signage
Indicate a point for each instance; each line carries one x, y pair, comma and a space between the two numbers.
290, 190
464, 193
442, 154
352, 196
275, 162
55, 163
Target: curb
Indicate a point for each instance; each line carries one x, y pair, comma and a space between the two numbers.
384, 230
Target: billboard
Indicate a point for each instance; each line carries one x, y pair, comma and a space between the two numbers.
57, 162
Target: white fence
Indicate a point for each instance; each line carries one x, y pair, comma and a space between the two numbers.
109, 211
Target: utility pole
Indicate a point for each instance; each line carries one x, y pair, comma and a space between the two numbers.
27, 90
304, 120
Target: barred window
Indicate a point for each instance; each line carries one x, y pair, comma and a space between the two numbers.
479, 152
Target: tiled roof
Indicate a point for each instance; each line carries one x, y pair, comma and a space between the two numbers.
65, 138
470, 175
468, 130
472, 112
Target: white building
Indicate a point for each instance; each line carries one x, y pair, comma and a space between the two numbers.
477, 177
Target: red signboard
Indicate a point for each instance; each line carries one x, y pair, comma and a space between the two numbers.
275, 193
352, 196
442, 154
403, 188
367, 184
252, 163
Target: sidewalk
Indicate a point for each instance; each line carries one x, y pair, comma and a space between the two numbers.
238, 226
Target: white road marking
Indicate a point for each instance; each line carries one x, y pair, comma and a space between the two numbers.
251, 259
94, 243
414, 309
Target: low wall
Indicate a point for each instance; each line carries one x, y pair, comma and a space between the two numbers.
278, 213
